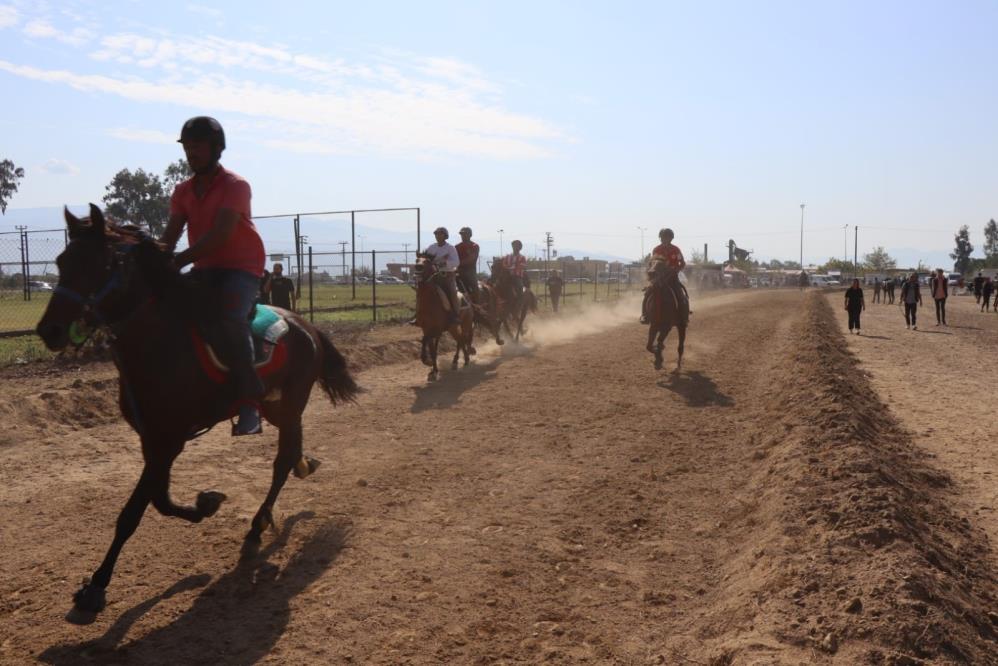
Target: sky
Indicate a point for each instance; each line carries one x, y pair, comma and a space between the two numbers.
598, 122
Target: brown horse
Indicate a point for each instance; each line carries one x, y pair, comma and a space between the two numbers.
116, 278
513, 309
667, 307
432, 316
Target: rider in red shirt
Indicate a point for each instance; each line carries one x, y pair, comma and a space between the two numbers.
516, 264
673, 258
226, 251
467, 270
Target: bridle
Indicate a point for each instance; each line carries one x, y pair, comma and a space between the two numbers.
91, 303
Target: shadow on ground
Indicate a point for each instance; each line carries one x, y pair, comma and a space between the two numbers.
698, 389
447, 391
236, 620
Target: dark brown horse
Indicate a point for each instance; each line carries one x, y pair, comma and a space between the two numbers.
668, 307
432, 316
513, 309
116, 278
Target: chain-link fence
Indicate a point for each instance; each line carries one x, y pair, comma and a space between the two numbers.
27, 275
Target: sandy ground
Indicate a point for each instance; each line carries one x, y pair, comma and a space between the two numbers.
557, 502
940, 383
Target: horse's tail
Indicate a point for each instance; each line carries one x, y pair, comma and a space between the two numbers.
335, 377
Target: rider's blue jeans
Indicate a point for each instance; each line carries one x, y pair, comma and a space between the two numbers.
237, 292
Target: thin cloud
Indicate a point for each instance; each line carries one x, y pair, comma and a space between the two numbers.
142, 135
59, 167
204, 11
8, 16
45, 30
421, 107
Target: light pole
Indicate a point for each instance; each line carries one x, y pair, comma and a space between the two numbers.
802, 236
500, 242
642, 230
845, 248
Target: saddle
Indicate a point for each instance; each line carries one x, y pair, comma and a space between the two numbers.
269, 328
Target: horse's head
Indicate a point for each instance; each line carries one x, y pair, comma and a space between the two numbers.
661, 273
424, 268
94, 277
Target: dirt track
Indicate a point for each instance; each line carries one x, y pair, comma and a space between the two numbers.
565, 503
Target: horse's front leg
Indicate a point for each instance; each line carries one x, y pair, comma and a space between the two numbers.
90, 598
432, 345
652, 330
164, 453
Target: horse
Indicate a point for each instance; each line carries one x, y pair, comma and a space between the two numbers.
432, 317
668, 307
513, 307
116, 278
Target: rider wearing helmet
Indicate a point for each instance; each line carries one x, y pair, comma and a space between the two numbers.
467, 272
226, 250
673, 258
516, 264
445, 258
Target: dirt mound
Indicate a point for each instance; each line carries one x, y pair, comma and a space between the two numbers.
852, 549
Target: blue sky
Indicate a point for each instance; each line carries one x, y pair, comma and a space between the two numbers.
589, 120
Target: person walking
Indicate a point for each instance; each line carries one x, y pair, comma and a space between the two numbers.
891, 286
939, 289
911, 298
876, 290
978, 287
986, 291
854, 304
555, 284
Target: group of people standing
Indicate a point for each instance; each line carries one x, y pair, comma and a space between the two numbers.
911, 297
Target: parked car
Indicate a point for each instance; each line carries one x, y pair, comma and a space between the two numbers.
38, 285
390, 279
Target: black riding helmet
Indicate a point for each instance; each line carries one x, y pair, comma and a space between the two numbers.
203, 128
666, 233
465, 230
442, 230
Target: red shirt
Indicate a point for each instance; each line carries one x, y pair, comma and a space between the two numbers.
243, 251
467, 249
516, 263
672, 255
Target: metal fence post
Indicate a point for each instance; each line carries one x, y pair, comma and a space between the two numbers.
311, 291
595, 283
25, 270
374, 285
353, 256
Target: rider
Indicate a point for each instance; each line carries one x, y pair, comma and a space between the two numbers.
445, 259
516, 264
673, 258
226, 251
467, 272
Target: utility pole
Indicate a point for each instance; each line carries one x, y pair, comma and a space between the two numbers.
802, 236
845, 249
405, 255
548, 241
642, 230
500, 243
855, 249
343, 256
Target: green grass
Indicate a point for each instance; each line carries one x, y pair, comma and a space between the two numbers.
22, 349
17, 314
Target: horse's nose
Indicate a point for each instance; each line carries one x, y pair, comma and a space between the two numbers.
52, 334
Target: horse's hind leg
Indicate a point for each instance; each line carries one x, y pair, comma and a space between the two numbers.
289, 454
682, 346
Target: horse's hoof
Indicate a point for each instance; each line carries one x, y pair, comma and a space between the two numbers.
209, 501
650, 349
89, 599
251, 546
500, 342
658, 364
432, 377
306, 467
472, 351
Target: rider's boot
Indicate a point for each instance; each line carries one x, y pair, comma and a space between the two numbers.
248, 387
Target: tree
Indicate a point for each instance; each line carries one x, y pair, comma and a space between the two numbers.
843, 267
961, 254
176, 173
879, 261
696, 257
991, 240
9, 175
139, 198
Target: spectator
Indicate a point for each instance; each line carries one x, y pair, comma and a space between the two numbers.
876, 291
939, 289
986, 292
911, 297
978, 286
263, 298
555, 284
889, 286
282, 290
854, 304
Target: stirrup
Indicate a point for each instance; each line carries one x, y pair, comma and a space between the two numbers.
240, 430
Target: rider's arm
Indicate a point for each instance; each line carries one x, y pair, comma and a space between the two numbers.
682, 262
174, 227
452, 259
221, 230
